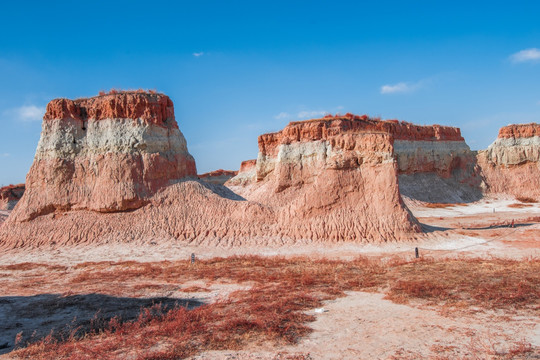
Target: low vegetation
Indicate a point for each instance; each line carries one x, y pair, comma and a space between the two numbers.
272, 305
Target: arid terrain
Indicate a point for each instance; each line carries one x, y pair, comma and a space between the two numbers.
349, 237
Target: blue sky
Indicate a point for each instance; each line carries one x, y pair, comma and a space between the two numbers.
236, 69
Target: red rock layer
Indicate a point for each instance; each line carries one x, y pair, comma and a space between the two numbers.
152, 108
518, 180
519, 131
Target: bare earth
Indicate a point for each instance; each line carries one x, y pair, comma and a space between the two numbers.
359, 326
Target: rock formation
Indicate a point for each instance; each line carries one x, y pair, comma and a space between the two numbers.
10, 196
116, 168
333, 178
107, 153
434, 163
511, 164
218, 177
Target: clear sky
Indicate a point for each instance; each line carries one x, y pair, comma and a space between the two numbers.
236, 69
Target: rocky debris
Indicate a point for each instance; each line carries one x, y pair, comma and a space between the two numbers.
511, 164
107, 153
10, 196
218, 177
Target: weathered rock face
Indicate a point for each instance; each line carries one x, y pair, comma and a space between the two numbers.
511, 164
107, 153
10, 196
245, 175
334, 179
218, 177
434, 163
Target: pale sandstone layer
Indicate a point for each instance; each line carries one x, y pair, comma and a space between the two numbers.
10, 196
511, 164
218, 177
108, 153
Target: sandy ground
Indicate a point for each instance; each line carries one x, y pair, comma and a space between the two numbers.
366, 326
358, 326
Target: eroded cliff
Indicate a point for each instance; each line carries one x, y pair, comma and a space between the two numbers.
511, 164
107, 153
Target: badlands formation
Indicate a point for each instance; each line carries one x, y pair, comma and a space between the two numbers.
116, 168
511, 164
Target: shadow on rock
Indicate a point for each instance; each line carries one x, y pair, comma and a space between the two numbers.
36, 316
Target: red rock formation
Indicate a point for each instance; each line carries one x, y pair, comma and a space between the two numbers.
10, 196
424, 154
107, 153
519, 131
511, 165
333, 179
218, 177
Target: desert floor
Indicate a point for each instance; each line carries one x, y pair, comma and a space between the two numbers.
432, 307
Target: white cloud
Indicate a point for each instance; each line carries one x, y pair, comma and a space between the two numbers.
198, 54
398, 88
26, 113
282, 115
531, 54
5, 155
311, 114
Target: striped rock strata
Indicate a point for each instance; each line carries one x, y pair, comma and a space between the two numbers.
511, 164
107, 153
433, 162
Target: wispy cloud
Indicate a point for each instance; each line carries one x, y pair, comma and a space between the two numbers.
282, 115
5, 155
311, 114
198, 54
401, 87
527, 55
26, 113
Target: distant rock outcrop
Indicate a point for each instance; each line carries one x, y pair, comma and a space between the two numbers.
10, 196
108, 153
511, 164
218, 177
245, 175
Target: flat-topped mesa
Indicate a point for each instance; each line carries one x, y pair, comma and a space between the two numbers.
10, 196
218, 177
436, 148
511, 164
108, 153
331, 178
